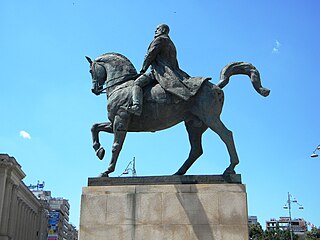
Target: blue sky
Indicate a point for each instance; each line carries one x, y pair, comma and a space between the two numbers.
45, 91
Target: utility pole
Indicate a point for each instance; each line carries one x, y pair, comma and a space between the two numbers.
288, 206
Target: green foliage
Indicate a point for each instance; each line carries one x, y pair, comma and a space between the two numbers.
313, 234
255, 231
278, 234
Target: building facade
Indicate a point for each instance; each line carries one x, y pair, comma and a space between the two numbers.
299, 226
22, 216
252, 220
59, 227
72, 232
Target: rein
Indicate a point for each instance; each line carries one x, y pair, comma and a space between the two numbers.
113, 83
119, 88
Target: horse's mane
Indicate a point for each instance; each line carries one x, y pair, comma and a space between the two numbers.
118, 67
106, 57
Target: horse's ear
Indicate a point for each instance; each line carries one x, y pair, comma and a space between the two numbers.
89, 60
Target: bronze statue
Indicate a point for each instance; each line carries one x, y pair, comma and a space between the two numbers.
162, 57
195, 101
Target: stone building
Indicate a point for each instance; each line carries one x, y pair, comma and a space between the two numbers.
59, 227
22, 216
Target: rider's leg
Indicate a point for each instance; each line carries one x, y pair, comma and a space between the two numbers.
137, 98
137, 93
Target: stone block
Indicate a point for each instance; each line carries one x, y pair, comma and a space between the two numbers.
120, 209
149, 208
176, 231
93, 215
106, 232
147, 232
210, 232
163, 212
232, 208
190, 208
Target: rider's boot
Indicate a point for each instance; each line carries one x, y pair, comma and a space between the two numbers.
137, 98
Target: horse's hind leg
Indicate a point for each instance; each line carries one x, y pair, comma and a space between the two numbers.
195, 137
226, 136
96, 128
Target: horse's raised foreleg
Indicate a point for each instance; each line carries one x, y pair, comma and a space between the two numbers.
119, 137
226, 136
96, 128
195, 137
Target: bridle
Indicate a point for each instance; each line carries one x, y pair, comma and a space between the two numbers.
100, 89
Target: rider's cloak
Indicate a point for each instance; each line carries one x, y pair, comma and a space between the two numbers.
162, 56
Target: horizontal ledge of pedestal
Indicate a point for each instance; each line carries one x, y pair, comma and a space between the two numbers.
164, 180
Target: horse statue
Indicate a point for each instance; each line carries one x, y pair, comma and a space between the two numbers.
114, 74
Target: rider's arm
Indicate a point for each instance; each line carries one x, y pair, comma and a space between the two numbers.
154, 49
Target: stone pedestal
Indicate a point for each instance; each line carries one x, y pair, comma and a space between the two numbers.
187, 207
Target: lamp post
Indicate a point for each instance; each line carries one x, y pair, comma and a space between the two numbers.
130, 167
314, 154
288, 206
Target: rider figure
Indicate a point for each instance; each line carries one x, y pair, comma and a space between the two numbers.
162, 57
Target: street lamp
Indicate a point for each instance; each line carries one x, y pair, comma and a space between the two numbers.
288, 206
130, 167
314, 154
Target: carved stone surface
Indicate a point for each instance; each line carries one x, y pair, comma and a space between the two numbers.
170, 212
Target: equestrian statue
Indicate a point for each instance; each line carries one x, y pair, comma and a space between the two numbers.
159, 99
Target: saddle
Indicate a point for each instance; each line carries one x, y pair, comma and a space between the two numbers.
153, 93
156, 94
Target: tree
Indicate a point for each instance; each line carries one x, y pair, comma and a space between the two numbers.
255, 231
278, 234
313, 234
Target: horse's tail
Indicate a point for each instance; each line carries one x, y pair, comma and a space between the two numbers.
245, 68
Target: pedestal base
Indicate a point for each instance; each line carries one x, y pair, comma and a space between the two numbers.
163, 212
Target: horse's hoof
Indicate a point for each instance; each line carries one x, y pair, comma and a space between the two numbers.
104, 174
179, 173
100, 153
228, 172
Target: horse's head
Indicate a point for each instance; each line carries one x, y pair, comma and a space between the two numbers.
98, 74
110, 69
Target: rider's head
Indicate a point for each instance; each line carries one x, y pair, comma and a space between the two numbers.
162, 29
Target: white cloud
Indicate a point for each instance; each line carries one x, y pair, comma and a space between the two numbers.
25, 134
276, 47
